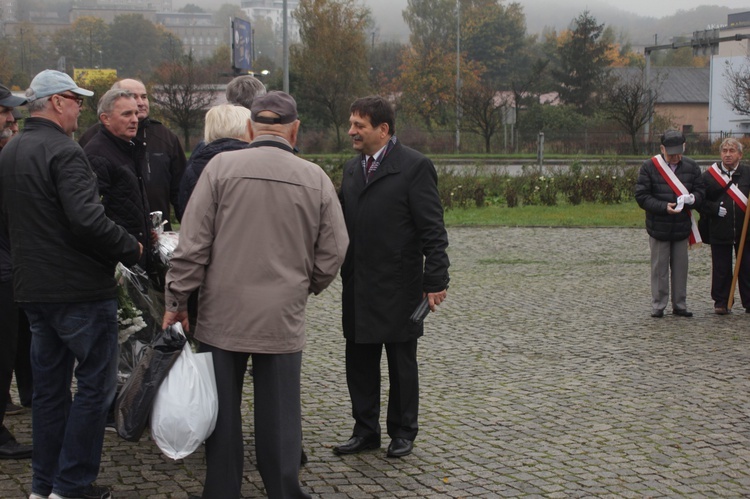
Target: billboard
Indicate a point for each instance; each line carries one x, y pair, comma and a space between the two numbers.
89, 76
242, 46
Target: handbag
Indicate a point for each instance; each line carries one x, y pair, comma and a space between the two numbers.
186, 405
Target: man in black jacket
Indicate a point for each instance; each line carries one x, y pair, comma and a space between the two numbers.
64, 250
9, 447
669, 186
727, 188
164, 160
115, 158
396, 257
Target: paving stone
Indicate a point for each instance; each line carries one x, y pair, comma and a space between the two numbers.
542, 375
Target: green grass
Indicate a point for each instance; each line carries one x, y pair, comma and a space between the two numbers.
626, 214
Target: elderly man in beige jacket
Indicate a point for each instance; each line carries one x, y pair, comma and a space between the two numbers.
262, 231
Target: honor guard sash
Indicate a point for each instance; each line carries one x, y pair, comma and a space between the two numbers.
674, 183
733, 191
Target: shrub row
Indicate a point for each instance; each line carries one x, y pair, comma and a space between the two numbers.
603, 183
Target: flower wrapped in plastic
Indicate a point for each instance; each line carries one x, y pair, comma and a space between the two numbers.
141, 299
140, 309
163, 249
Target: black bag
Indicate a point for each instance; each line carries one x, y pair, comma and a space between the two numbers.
136, 398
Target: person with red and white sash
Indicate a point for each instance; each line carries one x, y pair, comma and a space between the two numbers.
670, 188
727, 188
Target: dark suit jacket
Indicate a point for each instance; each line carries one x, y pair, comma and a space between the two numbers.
397, 246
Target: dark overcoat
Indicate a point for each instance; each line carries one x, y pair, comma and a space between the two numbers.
397, 246
726, 229
653, 193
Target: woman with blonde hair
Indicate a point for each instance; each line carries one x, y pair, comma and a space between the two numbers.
227, 129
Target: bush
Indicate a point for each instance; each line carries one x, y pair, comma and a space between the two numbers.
608, 184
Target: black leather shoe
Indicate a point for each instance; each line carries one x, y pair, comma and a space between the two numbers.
682, 312
400, 447
303, 458
13, 450
657, 313
358, 444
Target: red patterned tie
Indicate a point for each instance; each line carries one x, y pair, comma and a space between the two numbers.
370, 169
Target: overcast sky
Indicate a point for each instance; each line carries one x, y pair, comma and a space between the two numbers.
666, 7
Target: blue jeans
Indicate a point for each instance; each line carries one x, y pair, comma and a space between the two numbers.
68, 433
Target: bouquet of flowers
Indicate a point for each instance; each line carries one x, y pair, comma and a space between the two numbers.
141, 300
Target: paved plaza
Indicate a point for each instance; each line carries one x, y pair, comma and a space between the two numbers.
542, 375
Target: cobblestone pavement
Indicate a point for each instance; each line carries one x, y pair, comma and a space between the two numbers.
542, 376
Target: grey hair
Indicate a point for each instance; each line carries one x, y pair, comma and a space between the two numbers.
731, 141
243, 89
37, 105
107, 102
226, 121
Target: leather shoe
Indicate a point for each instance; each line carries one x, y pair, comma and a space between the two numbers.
682, 312
721, 310
657, 313
13, 450
400, 447
358, 444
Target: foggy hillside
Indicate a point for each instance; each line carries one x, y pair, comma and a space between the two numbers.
540, 14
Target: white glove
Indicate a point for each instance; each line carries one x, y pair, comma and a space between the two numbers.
680, 204
688, 199
722, 211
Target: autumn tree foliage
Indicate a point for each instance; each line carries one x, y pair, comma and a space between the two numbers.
83, 44
330, 61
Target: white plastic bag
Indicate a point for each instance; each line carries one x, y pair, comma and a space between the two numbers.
186, 405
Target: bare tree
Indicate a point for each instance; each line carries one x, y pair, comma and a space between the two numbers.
483, 111
737, 90
630, 102
183, 94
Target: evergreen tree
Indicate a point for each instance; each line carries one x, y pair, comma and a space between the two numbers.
583, 61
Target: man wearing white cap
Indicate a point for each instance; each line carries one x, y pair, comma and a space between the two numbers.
64, 250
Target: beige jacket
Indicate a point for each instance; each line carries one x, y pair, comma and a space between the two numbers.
263, 229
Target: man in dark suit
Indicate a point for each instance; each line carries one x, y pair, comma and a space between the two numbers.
396, 257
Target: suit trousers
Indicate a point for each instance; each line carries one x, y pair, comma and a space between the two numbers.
669, 263
363, 379
722, 274
278, 424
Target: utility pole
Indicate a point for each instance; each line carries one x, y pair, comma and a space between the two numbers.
285, 27
458, 75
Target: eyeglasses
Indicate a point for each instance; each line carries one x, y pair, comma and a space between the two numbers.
79, 100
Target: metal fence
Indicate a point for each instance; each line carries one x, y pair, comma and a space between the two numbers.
583, 142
